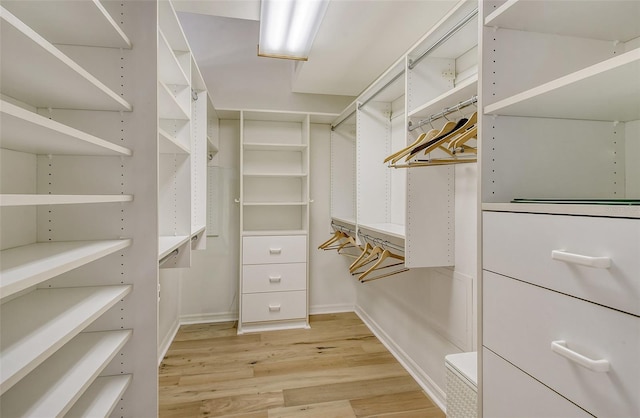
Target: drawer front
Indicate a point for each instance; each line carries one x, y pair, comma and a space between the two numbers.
521, 321
274, 306
257, 278
508, 393
274, 249
520, 245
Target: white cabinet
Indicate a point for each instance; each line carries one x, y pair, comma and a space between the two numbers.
561, 220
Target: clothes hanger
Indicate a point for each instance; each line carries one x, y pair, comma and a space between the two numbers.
402, 270
336, 236
415, 144
349, 243
368, 259
383, 256
460, 129
446, 130
365, 252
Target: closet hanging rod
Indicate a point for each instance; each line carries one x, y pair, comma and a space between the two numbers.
333, 127
168, 256
444, 38
443, 113
382, 242
343, 229
381, 89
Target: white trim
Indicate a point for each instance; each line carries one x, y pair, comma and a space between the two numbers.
330, 309
191, 319
167, 340
426, 383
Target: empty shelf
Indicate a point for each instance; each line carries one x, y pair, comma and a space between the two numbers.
247, 233
266, 174
166, 244
606, 91
392, 230
71, 22
274, 147
169, 69
606, 20
168, 106
52, 388
170, 144
64, 84
30, 336
562, 209
57, 199
101, 397
465, 90
30, 132
274, 203
26, 266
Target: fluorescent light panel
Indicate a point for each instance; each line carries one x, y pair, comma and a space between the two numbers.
288, 27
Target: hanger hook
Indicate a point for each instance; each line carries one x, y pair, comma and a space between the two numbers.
444, 114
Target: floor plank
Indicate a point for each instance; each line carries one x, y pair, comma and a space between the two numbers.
338, 368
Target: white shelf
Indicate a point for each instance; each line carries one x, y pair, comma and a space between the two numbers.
606, 20
608, 91
274, 232
169, 69
63, 85
168, 106
167, 244
168, 22
101, 397
71, 22
275, 203
61, 199
27, 131
211, 147
265, 174
53, 388
392, 230
610, 211
197, 230
170, 144
30, 336
465, 90
275, 147
348, 221
26, 266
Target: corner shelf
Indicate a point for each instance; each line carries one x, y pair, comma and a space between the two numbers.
580, 95
170, 144
62, 314
167, 244
101, 397
169, 69
168, 106
50, 199
53, 388
30, 132
28, 265
64, 84
71, 23
463, 91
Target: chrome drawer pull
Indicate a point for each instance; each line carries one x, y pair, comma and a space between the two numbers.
274, 308
275, 279
583, 260
560, 347
275, 250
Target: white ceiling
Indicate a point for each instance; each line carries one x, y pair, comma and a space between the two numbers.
357, 41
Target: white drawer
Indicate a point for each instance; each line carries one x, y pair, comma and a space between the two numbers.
259, 278
274, 249
520, 322
520, 245
508, 393
274, 306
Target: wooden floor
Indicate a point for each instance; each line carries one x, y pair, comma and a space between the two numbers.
336, 369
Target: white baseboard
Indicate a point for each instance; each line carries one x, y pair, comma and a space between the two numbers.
425, 382
329, 309
206, 318
167, 340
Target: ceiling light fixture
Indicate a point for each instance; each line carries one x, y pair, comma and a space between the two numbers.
288, 27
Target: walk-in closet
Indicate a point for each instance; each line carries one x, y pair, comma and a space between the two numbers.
320, 208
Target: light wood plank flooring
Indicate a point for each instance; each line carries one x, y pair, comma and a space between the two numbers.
336, 369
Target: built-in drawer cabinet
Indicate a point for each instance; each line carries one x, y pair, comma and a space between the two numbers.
274, 249
509, 392
259, 278
596, 259
586, 352
274, 306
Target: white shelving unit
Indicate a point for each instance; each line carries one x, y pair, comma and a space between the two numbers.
100, 399
567, 131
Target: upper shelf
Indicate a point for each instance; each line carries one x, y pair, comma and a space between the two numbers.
26, 266
71, 22
169, 69
274, 147
63, 85
607, 91
169, 144
27, 131
168, 106
392, 230
170, 26
166, 244
465, 90
101, 397
53, 199
606, 20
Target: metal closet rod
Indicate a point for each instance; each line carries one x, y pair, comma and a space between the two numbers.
168, 256
444, 38
444, 112
343, 228
381, 89
383, 243
333, 127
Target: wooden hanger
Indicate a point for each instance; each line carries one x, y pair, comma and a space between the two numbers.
415, 144
460, 141
370, 279
365, 252
469, 125
335, 237
446, 129
406, 150
349, 243
368, 259
383, 256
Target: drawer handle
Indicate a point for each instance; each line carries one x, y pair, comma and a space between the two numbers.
275, 279
583, 260
560, 347
274, 308
275, 250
